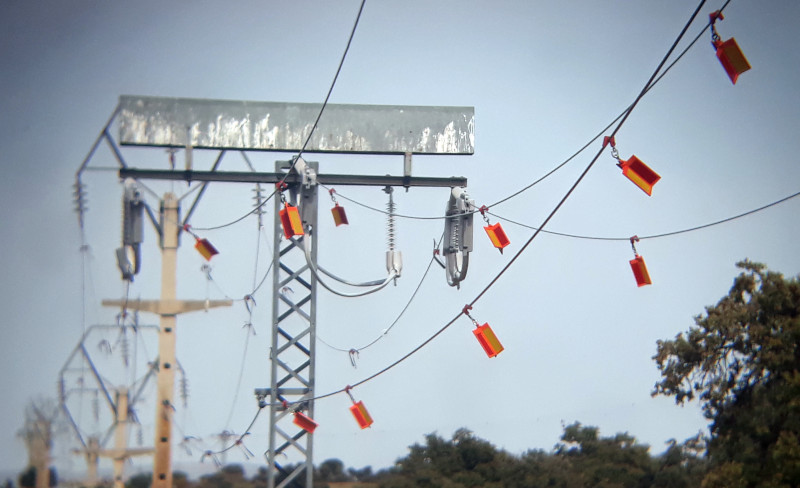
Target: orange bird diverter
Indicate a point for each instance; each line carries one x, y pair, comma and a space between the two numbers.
361, 414
205, 248
490, 343
290, 220
305, 422
639, 173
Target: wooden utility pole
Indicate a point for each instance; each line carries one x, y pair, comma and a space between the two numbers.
168, 308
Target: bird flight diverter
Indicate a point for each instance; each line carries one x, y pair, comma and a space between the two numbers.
339, 217
497, 235
733, 60
639, 173
205, 248
495, 231
361, 415
488, 340
634, 169
359, 411
290, 221
731, 57
485, 335
305, 422
638, 267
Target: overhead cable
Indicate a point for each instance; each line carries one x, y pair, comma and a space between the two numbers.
655, 236
537, 232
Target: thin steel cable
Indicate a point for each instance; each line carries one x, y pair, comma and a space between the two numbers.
248, 326
563, 163
241, 437
394, 322
335, 77
228, 224
313, 128
655, 236
531, 239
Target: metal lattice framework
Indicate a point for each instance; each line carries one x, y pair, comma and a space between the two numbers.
294, 323
271, 126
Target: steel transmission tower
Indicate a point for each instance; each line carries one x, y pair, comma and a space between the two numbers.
269, 126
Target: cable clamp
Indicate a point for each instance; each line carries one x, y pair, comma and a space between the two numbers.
610, 141
247, 300
466, 310
353, 356
347, 390
633, 246
712, 18
483, 210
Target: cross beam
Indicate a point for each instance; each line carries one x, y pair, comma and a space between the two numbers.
292, 178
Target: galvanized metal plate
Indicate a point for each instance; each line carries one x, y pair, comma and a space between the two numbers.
276, 126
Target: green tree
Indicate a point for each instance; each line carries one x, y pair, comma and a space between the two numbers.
742, 361
606, 462
27, 479
331, 470
139, 480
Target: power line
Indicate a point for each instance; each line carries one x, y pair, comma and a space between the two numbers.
654, 236
394, 322
566, 161
544, 223
313, 127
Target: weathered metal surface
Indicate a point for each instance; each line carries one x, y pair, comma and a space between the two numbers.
277, 126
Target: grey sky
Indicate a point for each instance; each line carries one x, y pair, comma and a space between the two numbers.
544, 77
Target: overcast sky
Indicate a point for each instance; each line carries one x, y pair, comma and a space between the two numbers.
544, 78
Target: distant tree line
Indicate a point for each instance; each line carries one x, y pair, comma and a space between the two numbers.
581, 459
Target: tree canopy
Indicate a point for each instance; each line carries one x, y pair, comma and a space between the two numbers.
741, 360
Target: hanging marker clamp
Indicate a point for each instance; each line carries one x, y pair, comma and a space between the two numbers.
353, 353
634, 239
203, 246
733, 60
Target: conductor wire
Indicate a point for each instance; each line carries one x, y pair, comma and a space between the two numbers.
536, 233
